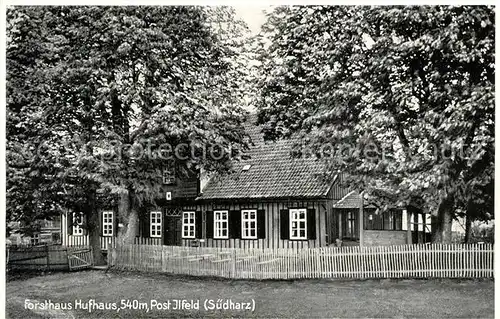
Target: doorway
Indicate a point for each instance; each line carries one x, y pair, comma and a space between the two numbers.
173, 231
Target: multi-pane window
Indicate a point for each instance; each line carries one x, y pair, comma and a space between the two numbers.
188, 225
107, 223
298, 224
35, 240
155, 224
221, 224
169, 175
77, 223
249, 224
383, 220
351, 225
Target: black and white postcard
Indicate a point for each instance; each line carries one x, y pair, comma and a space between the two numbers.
248, 160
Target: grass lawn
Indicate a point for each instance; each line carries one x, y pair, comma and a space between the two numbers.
300, 298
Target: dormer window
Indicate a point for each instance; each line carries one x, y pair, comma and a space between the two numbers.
246, 167
169, 175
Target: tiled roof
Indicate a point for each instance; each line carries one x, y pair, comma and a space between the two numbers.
351, 200
273, 173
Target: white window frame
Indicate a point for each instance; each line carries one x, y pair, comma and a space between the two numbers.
188, 224
250, 221
77, 227
295, 217
109, 230
35, 239
168, 176
155, 224
219, 224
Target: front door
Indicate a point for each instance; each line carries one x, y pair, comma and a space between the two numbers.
173, 230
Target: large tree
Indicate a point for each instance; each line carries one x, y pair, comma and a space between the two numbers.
93, 92
402, 97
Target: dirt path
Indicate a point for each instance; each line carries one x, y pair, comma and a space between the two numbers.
290, 299
52, 313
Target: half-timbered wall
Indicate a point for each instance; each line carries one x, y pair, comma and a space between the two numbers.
272, 238
323, 217
69, 239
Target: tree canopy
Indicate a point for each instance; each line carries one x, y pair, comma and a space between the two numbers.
94, 93
401, 98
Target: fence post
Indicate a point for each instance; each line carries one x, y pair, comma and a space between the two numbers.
91, 256
163, 263
361, 220
408, 227
112, 251
48, 259
234, 263
67, 257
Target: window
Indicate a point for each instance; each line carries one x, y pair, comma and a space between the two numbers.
107, 223
298, 221
351, 225
77, 224
188, 225
155, 224
221, 224
35, 240
383, 220
169, 175
249, 224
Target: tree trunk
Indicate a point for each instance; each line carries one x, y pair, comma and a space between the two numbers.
415, 235
414, 211
441, 224
129, 216
94, 229
447, 221
468, 228
435, 229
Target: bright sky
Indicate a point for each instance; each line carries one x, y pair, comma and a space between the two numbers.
252, 15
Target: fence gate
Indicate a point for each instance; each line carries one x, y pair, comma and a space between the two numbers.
80, 258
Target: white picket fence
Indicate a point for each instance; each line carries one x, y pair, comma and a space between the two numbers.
106, 241
407, 261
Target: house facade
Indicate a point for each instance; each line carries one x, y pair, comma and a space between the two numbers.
370, 226
46, 232
271, 200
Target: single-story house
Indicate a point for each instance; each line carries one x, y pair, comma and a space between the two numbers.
272, 200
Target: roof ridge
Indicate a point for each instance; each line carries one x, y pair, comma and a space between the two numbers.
274, 172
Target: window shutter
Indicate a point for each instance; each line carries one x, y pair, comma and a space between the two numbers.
210, 224
261, 224
198, 220
115, 223
311, 223
69, 217
285, 224
146, 232
101, 224
234, 224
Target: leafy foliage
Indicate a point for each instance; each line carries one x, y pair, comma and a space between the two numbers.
88, 86
402, 96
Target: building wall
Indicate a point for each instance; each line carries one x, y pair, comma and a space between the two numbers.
68, 239
272, 238
183, 188
325, 229
384, 237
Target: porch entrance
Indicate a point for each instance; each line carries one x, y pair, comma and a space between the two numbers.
173, 228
